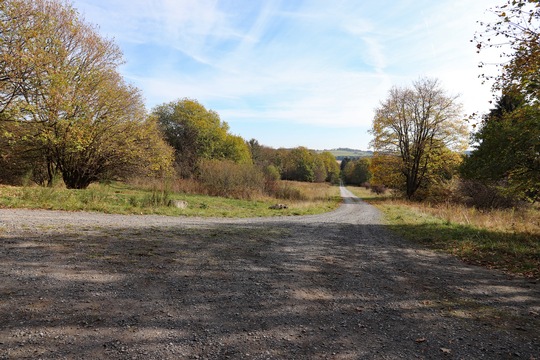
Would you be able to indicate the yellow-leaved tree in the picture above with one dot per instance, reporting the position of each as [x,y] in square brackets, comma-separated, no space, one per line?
[412,124]
[75,115]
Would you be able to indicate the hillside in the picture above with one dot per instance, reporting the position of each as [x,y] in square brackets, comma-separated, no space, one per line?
[342,153]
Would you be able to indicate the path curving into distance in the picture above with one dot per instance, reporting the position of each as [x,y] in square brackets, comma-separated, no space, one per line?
[339,285]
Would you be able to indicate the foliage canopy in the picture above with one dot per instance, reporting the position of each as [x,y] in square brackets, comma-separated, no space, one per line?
[198,134]
[64,108]
[414,123]
[507,154]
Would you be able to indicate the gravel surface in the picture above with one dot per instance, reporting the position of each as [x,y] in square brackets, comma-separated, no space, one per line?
[332,286]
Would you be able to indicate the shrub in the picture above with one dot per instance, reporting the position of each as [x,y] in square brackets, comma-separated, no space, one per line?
[228,179]
[378,189]
[482,196]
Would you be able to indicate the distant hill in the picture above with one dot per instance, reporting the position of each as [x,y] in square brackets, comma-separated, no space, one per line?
[342,153]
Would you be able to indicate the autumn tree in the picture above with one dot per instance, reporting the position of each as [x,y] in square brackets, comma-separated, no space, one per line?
[412,123]
[506,155]
[74,113]
[515,32]
[386,171]
[331,166]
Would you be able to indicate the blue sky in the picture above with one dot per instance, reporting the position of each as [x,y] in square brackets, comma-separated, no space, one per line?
[291,72]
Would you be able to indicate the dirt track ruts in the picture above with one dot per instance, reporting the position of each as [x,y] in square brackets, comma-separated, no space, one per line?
[331,286]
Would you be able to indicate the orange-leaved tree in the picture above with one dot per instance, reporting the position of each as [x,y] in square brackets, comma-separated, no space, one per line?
[412,123]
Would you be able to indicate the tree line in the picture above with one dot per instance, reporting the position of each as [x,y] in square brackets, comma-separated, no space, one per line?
[419,133]
[66,113]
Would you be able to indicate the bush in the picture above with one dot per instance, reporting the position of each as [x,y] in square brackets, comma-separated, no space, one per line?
[378,189]
[228,179]
[482,196]
[438,192]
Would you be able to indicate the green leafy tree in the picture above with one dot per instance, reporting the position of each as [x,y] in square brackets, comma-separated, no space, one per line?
[234,148]
[356,172]
[319,169]
[332,167]
[508,147]
[507,152]
[302,164]
[412,123]
[278,158]
[198,134]
[299,165]
[256,151]
[344,163]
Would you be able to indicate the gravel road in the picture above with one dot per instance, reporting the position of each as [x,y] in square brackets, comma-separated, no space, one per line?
[331,286]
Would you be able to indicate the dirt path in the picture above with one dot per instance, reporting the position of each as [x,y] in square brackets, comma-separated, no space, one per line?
[332,286]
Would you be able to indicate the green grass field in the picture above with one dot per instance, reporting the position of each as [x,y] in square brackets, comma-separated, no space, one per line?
[120,198]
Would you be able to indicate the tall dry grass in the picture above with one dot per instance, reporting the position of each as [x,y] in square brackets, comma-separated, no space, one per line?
[525,220]
[518,220]
[314,191]
[505,239]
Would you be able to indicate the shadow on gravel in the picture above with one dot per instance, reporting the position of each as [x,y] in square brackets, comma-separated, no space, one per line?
[518,251]
[264,291]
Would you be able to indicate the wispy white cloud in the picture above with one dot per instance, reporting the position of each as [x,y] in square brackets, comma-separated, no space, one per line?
[314,63]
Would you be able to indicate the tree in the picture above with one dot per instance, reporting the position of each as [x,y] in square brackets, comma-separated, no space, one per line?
[516,32]
[331,165]
[299,164]
[344,163]
[507,152]
[386,171]
[60,85]
[13,158]
[198,134]
[356,172]
[256,151]
[412,123]
[442,170]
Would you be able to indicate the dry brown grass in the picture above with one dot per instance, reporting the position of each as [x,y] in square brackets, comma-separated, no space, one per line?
[504,239]
[508,221]
[524,220]
[314,191]
[185,186]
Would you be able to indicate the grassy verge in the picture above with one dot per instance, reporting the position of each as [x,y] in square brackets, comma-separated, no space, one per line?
[502,239]
[120,198]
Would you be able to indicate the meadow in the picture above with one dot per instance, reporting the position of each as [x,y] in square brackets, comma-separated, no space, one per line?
[159,198]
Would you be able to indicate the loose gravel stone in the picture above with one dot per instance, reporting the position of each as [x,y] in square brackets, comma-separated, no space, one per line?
[330,286]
